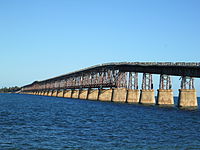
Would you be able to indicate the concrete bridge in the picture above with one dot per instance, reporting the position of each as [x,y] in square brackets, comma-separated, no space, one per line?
[118,82]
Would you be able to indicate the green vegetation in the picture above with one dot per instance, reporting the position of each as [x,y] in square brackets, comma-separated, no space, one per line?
[10,89]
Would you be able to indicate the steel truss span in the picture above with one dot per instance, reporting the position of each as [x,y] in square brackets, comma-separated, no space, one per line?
[120,75]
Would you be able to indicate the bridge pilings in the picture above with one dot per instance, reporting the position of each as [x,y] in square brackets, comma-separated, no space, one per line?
[45,93]
[126,90]
[93,94]
[147,97]
[133,95]
[119,95]
[83,93]
[60,93]
[54,93]
[50,93]
[38,92]
[147,92]
[105,94]
[165,93]
[165,97]
[187,98]
[75,94]
[68,93]
[187,93]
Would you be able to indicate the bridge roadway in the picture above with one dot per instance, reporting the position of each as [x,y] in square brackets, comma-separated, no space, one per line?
[119,82]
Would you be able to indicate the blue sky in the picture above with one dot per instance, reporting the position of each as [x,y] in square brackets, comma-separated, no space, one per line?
[40,39]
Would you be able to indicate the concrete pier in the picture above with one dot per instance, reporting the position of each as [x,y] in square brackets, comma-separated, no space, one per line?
[60,93]
[68,94]
[93,94]
[187,98]
[133,96]
[147,97]
[75,94]
[165,97]
[105,94]
[54,93]
[45,93]
[50,93]
[83,94]
[119,95]
[42,93]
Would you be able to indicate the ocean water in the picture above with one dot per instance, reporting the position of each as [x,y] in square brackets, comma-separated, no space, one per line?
[30,122]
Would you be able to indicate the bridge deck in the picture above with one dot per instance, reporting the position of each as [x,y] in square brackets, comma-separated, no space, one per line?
[170,68]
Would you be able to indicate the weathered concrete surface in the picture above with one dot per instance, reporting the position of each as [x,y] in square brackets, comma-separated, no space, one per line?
[60,94]
[54,93]
[105,94]
[83,94]
[147,97]
[68,93]
[50,93]
[75,93]
[46,93]
[93,94]
[119,95]
[187,98]
[133,96]
[165,97]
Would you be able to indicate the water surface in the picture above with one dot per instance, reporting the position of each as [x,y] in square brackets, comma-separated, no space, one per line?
[29,122]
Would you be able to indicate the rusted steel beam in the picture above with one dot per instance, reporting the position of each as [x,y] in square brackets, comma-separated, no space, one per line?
[120,75]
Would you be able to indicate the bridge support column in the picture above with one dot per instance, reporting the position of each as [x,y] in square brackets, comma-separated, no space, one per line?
[187,93]
[60,93]
[165,93]
[147,92]
[165,97]
[68,93]
[50,93]
[45,93]
[93,94]
[75,94]
[133,94]
[83,94]
[54,93]
[119,95]
[105,94]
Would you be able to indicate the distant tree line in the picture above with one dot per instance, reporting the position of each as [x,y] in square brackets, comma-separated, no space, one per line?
[10,89]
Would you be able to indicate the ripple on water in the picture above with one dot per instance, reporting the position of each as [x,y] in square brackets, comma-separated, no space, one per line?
[49,123]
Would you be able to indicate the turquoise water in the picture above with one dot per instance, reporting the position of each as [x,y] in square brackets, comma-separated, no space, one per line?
[29,122]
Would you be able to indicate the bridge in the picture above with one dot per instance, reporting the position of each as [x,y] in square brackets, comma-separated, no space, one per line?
[118,82]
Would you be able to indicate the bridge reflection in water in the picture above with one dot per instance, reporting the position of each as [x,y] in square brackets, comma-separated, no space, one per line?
[118,82]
